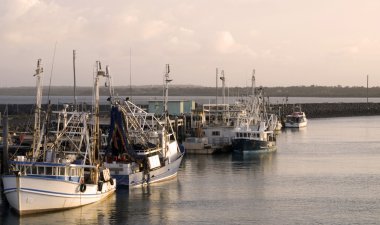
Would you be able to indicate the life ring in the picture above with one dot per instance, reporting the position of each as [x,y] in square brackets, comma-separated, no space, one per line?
[111,181]
[82,188]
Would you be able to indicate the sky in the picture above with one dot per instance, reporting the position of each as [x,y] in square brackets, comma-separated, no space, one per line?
[286,42]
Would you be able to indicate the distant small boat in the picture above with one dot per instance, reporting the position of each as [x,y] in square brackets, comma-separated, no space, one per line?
[297,119]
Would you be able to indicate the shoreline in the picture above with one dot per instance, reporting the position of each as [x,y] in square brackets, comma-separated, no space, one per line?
[21,115]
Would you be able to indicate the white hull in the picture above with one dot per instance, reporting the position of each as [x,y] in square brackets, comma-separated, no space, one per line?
[28,194]
[202,151]
[295,125]
[296,120]
[125,177]
[195,145]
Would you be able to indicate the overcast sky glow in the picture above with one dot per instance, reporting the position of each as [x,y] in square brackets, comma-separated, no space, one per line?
[287,42]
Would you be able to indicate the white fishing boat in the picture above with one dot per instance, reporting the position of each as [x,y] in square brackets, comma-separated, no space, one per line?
[297,119]
[254,139]
[198,145]
[210,130]
[62,170]
[142,149]
[254,130]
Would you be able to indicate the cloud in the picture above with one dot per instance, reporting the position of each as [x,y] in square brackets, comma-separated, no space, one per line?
[153,29]
[186,31]
[16,8]
[226,44]
[363,46]
[130,19]
[254,33]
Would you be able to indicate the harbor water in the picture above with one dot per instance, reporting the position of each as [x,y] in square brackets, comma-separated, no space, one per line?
[327,173]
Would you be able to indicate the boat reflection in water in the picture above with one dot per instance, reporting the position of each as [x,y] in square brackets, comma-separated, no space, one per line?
[259,162]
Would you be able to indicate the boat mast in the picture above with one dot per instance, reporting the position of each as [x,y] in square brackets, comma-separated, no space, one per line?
[216,91]
[96,134]
[253,83]
[109,82]
[37,111]
[224,95]
[75,83]
[167,81]
[223,86]
[130,73]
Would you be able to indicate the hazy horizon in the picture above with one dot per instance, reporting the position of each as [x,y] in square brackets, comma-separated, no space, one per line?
[192,85]
[287,42]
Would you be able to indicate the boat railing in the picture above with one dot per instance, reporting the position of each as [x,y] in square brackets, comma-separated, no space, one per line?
[147,151]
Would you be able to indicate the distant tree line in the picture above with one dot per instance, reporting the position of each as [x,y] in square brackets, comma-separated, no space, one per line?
[185,90]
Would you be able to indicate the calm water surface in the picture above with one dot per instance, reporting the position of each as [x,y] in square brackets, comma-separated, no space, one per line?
[328,173]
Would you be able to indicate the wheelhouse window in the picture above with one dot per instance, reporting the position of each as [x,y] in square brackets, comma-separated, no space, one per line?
[61,171]
[49,171]
[216,133]
[40,170]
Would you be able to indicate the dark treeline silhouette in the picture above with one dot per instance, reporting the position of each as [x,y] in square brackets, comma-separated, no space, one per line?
[187,90]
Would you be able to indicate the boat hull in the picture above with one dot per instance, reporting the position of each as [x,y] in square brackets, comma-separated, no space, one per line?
[201,151]
[27,194]
[126,177]
[295,125]
[249,145]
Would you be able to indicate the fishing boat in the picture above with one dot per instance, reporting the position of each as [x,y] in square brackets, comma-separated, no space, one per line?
[142,149]
[209,133]
[211,127]
[252,139]
[297,119]
[62,170]
[254,130]
[199,145]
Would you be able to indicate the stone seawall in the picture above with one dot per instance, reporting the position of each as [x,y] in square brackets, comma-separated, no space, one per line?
[324,110]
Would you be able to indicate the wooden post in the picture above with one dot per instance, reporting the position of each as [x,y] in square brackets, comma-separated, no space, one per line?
[367,93]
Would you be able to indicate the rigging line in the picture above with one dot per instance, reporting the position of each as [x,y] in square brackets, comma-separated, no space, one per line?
[51,71]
